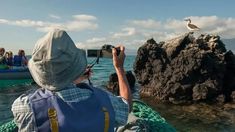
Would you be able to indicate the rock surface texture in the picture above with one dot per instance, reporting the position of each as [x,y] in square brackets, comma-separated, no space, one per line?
[186,69]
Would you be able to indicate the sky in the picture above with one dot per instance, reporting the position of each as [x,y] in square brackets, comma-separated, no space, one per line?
[93,23]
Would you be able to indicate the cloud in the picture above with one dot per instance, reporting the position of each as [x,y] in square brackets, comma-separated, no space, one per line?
[175,25]
[160,36]
[126,32]
[54,16]
[86,45]
[149,23]
[3,21]
[133,44]
[29,23]
[84,17]
[78,23]
[96,40]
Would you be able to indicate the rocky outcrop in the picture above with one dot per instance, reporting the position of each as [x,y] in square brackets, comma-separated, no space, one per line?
[113,86]
[186,69]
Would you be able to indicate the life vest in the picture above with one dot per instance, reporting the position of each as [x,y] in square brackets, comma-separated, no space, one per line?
[9,61]
[52,114]
[17,60]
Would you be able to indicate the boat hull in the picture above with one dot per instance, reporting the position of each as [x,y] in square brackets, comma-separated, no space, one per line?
[15,74]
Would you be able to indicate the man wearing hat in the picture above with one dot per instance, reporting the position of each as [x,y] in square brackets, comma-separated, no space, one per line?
[63,103]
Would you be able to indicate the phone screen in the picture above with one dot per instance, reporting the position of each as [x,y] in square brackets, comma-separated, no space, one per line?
[93,53]
[100,53]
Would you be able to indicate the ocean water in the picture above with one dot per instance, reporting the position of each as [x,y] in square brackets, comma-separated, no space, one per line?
[99,77]
[105,67]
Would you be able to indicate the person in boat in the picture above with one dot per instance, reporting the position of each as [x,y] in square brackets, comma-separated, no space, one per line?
[20,60]
[3,64]
[9,58]
[65,103]
[6,55]
[24,58]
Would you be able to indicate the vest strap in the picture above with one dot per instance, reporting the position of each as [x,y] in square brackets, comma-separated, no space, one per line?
[53,120]
[106,119]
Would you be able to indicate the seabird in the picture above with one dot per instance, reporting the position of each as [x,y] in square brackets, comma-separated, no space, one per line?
[190,26]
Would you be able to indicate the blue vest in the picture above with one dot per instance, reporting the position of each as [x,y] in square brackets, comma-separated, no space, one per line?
[86,115]
[9,61]
[17,60]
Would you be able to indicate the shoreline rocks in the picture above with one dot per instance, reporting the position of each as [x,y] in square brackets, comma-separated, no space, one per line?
[186,70]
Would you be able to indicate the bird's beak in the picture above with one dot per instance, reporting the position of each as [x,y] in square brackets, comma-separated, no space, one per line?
[185,19]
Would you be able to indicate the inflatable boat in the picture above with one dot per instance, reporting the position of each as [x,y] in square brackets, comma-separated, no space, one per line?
[14,77]
[15,74]
[148,121]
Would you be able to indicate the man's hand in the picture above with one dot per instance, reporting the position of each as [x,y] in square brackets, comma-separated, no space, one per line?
[118,61]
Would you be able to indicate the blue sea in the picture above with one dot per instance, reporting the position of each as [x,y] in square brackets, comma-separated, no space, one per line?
[100,76]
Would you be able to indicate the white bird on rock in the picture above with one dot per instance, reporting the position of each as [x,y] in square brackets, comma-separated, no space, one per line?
[190,26]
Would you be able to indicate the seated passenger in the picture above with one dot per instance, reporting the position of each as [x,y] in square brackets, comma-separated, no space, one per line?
[3,64]
[24,58]
[20,59]
[9,58]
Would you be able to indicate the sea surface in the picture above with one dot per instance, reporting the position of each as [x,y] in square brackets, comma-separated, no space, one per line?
[193,118]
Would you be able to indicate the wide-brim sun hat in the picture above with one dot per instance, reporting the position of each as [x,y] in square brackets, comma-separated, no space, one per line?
[56,61]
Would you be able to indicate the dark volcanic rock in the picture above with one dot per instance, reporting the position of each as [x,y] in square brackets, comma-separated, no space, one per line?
[233,96]
[113,82]
[186,69]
